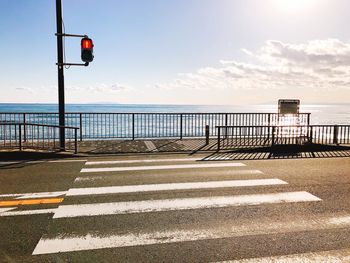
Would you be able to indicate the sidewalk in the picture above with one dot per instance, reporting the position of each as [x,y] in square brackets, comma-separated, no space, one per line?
[146,146]
[199,146]
[188,146]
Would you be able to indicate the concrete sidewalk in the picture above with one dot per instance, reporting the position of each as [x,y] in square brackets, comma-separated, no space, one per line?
[146,146]
[199,146]
[90,148]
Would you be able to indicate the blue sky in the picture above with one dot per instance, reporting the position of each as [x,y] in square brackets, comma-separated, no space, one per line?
[179,51]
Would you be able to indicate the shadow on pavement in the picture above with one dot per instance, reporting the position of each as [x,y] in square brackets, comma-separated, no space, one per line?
[146,146]
[17,159]
[282,152]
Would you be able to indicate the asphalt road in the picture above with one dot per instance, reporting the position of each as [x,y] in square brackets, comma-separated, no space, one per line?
[175,208]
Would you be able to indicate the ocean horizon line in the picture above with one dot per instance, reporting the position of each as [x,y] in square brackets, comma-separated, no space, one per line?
[171,104]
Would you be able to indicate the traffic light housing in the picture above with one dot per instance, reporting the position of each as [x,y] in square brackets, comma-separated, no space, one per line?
[87,50]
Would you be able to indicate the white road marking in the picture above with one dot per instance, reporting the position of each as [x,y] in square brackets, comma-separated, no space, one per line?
[2,210]
[89,178]
[144,161]
[345,220]
[68,243]
[180,204]
[334,256]
[104,177]
[39,195]
[161,167]
[67,161]
[171,186]
[5,163]
[29,212]
[150,146]
[34,195]
[46,161]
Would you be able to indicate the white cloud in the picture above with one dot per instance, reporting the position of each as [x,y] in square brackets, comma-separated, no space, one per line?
[277,65]
[26,89]
[101,88]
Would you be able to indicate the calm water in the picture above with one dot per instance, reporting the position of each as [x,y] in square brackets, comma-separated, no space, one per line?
[320,114]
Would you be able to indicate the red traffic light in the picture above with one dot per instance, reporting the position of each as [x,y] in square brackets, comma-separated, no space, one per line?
[86,43]
[87,50]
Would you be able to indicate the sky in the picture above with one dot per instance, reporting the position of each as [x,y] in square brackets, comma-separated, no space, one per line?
[219,52]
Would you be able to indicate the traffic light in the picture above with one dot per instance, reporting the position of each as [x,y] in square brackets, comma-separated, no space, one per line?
[87,49]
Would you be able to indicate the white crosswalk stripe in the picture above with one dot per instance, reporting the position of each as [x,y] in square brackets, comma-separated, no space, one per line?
[3,210]
[119,208]
[90,241]
[95,178]
[27,212]
[160,167]
[172,186]
[34,195]
[143,161]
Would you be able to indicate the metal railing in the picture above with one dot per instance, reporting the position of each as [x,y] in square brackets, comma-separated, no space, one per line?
[154,125]
[330,134]
[229,137]
[14,135]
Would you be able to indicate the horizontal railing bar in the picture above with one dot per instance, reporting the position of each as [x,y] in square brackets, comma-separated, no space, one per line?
[163,113]
[36,124]
[263,126]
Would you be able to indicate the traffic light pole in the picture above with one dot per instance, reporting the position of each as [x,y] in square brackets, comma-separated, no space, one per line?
[60,67]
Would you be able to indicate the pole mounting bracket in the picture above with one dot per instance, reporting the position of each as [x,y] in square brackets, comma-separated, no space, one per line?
[73,64]
[69,35]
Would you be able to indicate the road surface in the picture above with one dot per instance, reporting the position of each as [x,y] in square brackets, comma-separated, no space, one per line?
[175,208]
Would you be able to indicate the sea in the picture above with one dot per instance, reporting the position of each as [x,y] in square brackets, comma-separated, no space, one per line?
[320,113]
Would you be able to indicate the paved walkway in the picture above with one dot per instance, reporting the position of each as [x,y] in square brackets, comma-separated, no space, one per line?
[199,145]
[147,146]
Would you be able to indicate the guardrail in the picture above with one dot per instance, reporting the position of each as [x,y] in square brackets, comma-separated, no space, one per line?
[154,125]
[229,137]
[330,134]
[36,136]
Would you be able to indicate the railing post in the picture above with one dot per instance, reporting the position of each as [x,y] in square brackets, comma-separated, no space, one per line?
[133,126]
[273,135]
[311,132]
[308,119]
[24,128]
[226,122]
[75,141]
[207,134]
[335,135]
[20,137]
[181,126]
[218,138]
[81,126]
[268,124]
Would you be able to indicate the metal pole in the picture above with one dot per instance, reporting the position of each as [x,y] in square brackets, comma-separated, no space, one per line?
[75,141]
[180,126]
[24,127]
[310,134]
[133,126]
[207,134]
[61,105]
[226,122]
[335,134]
[81,126]
[218,139]
[20,137]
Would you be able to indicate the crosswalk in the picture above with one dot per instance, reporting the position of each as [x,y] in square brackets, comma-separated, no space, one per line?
[116,204]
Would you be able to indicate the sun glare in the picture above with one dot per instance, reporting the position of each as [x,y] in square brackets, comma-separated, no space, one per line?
[290,5]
